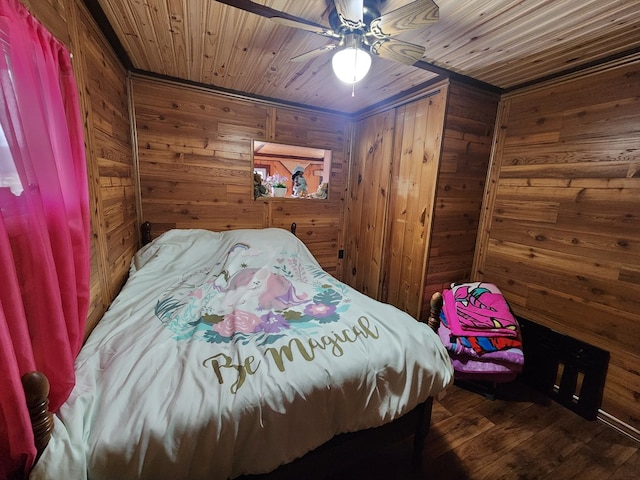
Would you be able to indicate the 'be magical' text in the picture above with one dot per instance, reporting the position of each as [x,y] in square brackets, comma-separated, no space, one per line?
[223,365]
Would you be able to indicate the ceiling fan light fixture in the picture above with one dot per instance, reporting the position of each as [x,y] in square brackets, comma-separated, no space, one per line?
[351,64]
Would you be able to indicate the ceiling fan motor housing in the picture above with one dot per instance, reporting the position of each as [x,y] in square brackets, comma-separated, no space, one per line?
[345,26]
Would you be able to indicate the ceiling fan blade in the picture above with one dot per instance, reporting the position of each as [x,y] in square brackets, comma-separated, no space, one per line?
[397,50]
[309,27]
[351,12]
[280,17]
[313,53]
[414,15]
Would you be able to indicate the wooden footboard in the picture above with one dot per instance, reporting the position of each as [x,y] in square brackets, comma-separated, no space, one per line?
[36,389]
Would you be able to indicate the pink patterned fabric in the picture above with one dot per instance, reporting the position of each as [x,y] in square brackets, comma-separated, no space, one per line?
[478,309]
[44,225]
[480,333]
[498,366]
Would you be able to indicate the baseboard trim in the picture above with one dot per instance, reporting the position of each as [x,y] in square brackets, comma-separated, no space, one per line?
[619,425]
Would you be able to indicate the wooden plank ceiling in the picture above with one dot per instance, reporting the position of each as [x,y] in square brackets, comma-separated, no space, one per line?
[503,43]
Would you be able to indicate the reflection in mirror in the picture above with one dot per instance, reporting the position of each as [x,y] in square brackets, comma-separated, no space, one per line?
[292,171]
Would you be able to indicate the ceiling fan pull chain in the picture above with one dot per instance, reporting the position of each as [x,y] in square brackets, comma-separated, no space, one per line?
[355,67]
[355,79]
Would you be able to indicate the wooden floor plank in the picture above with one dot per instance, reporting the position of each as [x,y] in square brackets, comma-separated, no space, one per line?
[544,452]
[598,458]
[520,435]
[629,470]
[452,432]
[483,453]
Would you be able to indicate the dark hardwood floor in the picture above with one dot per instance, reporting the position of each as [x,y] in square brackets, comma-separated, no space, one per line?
[519,435]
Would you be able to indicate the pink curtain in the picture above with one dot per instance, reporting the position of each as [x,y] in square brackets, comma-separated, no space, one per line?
[44,225]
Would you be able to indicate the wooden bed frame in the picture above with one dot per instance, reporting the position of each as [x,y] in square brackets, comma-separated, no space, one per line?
[331,457]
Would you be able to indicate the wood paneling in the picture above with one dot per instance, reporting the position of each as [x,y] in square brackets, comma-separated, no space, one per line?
[560,230]
[466,150]
[414,177]
[112,173]
[55,15]
[500,42]
[210,43]
[194,154]
[317,226]
[368,198]
[103,94]
[415,193]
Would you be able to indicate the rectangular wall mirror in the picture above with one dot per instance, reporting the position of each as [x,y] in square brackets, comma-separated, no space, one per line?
[290,171]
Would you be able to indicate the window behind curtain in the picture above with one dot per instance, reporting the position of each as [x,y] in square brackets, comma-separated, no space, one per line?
[44,225]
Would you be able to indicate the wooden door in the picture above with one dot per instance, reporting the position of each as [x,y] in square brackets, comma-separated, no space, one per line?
[367,202]
[416,157]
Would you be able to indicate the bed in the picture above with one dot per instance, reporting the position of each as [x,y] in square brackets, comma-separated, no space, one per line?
[231,354]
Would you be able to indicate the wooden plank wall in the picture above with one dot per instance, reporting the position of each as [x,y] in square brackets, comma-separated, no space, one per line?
[194,154]
[414,177]
[560,231]
[466,150]
[367,202]
[102,85]
[428,155]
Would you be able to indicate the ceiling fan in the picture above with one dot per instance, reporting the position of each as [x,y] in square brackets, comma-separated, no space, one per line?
[359,29]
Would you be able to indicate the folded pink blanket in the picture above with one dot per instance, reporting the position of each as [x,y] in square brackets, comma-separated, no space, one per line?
[505,350]
[478,309]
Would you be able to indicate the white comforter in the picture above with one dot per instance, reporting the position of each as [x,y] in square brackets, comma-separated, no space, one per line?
[232,353]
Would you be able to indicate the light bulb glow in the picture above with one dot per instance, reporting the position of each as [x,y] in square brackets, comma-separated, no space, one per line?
[351,64]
